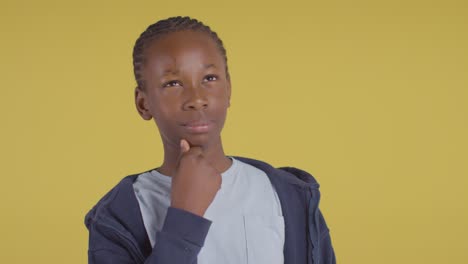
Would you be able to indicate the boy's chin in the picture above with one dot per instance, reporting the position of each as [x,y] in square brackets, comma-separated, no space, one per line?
[202,140]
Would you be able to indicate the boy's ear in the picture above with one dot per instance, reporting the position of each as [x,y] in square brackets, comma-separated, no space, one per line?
[141,104]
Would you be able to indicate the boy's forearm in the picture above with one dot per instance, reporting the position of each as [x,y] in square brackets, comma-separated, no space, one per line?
[179,242]
[181,238]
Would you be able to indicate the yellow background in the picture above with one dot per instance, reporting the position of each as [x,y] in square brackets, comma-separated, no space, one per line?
[368,96]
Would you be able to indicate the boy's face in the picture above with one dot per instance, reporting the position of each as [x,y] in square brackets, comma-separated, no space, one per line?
[186,90]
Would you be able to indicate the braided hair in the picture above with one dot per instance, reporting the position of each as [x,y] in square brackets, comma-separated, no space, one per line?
[164,27]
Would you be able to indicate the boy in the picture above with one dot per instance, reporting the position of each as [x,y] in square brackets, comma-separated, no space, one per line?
[201,206]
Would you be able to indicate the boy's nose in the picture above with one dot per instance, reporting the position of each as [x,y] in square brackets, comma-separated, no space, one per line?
[196,99]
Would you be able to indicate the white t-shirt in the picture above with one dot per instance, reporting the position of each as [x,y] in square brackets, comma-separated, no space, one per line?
[247,222]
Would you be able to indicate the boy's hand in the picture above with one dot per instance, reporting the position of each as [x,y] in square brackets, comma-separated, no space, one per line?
[195,182]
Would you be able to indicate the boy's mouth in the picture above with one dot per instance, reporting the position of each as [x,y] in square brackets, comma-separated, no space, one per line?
[198,126]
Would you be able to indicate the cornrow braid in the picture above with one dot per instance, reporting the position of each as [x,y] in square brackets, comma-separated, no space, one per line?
[163,27]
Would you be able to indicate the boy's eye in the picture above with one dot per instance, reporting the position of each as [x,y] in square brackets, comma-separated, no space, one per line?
[172,83]
[211,78]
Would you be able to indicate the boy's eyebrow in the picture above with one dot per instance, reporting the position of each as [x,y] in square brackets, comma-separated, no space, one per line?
[175,72]
[211,65]
[170,72]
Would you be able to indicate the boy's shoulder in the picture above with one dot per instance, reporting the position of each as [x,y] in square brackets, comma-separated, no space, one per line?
[286,174]
[119,198]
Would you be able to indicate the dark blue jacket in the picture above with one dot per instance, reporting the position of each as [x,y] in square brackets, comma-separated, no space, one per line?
[117,234]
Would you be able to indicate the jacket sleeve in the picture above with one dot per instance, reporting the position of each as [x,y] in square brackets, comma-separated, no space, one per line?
[179,242]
